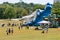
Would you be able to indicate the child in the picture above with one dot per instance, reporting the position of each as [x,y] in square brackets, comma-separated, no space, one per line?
[7,31]
[12,30]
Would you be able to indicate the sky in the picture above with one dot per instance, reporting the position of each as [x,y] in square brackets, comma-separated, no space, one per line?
[29,1]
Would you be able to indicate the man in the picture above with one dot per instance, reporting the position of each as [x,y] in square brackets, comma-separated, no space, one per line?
[46,27]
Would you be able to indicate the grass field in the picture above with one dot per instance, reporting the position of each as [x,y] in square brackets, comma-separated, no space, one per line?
[28,34]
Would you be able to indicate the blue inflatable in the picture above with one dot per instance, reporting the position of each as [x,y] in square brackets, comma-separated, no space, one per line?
[40,15]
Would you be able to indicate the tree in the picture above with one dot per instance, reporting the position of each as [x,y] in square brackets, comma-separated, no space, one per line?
[10,12]
[2,9]
[37,6]
[1,13]
[24,12]
[56,8]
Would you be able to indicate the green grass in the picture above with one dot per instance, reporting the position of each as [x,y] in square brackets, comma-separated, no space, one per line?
[25,34]
[28,34]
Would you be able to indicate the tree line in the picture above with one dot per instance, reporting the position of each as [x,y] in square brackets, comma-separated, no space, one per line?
[17,10]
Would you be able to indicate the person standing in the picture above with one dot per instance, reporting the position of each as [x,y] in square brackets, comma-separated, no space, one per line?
[12,30]
[47,26]
[7,32]
[19,27]
[43,26]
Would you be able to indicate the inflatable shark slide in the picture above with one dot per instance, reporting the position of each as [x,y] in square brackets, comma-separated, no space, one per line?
[37,16]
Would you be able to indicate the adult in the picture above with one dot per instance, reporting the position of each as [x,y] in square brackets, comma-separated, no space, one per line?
[9,30]
[45,28]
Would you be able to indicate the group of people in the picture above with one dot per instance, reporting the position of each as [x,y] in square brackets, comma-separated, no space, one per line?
[9,31]
[9,24]
[13,24]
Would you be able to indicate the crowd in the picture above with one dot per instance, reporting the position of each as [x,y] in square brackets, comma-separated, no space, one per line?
[11,30]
